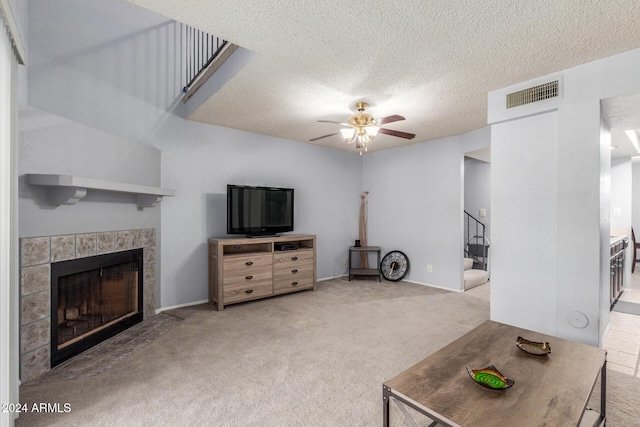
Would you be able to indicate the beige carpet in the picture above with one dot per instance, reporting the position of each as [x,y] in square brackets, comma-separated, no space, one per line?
[306,359]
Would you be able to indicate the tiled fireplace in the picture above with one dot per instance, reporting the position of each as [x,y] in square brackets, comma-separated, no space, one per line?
[82,315]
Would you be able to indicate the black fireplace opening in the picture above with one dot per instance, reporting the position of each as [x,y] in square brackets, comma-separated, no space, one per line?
[93,299]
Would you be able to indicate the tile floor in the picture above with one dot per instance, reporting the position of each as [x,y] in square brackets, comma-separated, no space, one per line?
[623,339]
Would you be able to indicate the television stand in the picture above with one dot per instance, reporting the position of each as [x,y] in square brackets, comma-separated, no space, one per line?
[248,268]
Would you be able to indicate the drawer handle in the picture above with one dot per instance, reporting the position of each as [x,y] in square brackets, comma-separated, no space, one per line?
[249,277]
[248,291]
[294,258]
[294,283]
[248,263]
[295,270]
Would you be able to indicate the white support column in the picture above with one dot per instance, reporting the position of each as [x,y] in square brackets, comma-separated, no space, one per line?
[11,52]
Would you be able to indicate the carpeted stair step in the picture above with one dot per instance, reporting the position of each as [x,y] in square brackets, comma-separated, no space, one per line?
[473,278]
[468,264]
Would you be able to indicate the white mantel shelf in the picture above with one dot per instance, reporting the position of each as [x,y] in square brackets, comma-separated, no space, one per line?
[69,189]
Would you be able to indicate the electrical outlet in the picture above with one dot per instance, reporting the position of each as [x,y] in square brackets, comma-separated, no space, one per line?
[346,262]
[429,268]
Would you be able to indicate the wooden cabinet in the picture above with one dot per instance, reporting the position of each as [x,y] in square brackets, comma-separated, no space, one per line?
[244,269]
[618,246]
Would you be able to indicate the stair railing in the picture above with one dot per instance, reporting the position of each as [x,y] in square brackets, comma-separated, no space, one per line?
[201,49]
[479,252]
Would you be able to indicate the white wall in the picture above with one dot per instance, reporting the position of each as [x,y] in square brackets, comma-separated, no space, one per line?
[582,217]
[621,195]
[416,204]
[635,189]
[9,253]
[621,207]
[524,205]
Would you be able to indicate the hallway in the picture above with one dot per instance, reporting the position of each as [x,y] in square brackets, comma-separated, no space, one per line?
[623,340]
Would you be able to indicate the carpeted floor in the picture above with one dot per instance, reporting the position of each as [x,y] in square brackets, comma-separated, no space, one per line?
[305,359]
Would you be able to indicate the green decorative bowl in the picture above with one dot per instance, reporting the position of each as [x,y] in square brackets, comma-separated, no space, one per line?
[490,377]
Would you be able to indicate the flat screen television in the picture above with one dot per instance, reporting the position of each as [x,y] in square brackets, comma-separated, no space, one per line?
[259,211]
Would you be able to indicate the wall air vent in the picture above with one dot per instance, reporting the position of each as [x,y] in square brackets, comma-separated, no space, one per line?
[533,94]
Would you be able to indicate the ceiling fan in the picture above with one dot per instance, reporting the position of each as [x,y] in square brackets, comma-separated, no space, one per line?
[362,128]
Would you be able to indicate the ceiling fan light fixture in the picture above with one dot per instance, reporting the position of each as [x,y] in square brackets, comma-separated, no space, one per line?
[363,128]
[371,130]
[348,134]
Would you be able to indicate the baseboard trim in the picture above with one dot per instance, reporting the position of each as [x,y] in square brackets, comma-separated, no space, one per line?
[188,304]
[324,279]
[160,310]
[606,334]
[434,286]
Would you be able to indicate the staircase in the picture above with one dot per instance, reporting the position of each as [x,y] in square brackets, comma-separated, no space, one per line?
[203,55]
[476,253]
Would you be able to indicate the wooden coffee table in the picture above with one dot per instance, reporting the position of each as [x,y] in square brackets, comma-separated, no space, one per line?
[550,390]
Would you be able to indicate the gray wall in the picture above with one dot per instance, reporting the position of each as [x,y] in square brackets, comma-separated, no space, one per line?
[107,64]
[53,144]
[87,97]
[416,204]
[104,86]
[199,160]
[104,77]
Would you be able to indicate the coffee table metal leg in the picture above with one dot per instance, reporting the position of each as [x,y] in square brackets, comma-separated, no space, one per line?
[406,414]
[603,393]
[386,395]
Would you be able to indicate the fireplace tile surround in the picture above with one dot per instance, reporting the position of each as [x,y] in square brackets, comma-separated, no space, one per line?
[36,256]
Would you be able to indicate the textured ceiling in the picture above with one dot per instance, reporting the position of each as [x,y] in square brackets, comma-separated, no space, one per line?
[622,113]
[431,61]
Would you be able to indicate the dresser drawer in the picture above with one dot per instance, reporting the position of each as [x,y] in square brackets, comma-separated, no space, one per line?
[245,262]
[240,269]
[293,257]
[293,282]
[288,269]
[247,291]
[249,276]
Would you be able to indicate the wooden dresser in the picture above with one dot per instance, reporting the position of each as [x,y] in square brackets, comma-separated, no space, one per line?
[244,269]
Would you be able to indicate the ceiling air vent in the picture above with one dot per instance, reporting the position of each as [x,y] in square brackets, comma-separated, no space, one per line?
[533,94]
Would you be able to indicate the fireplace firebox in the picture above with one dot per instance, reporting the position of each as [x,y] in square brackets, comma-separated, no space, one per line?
[93,299]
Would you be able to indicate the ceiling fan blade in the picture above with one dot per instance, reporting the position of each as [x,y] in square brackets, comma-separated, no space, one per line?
[390,119]
[333,121]
[397,133]
[323,136]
